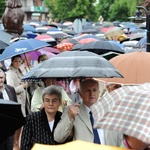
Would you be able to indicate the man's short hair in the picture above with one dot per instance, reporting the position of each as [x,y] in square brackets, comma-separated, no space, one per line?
[86,80]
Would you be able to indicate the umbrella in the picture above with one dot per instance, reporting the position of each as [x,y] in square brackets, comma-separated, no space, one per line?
[64,46]
[141,43]
[83,36]
[69,40]
[77,47]
[133,66]
[125,110]
[113,32]
[45,37]
[4,39]
[22,46]
[35,54]
[137,36]
[28,27]
[74,145]
[71,64]
[41,29]
[56,35]
[11,118]
[49,49]
[101,47]
[87,40]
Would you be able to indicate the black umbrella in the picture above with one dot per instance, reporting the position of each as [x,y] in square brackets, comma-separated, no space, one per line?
[101,47]
[71,64]
[11,118]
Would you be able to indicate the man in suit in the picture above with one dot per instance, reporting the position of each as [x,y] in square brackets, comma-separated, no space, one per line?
[75,121]
[7,92]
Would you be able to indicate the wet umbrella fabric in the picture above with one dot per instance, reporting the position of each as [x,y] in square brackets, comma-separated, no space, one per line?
[101,47]
[11,118]
[125,110]
[22,46]
[133,66]
[71,64]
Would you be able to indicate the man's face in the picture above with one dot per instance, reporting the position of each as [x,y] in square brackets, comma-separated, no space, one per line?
[2,79]
[90,93]
[51,103]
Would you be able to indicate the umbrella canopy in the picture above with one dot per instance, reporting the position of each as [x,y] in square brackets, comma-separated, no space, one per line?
[87,40]
[22,46]
[141,43]
[35,54]
[69,40]
[49,49]
[28,27]
[4,39]
[113,32]
[137,36]
[74,145]
[71,64]
[64,46]
[57,34]
[101,47]
[133,66]
[125,110]
[45,37]
[11,118]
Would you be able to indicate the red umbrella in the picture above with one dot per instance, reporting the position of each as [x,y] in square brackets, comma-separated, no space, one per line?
[105,29]
[64,46]
[44,37]
[87,40]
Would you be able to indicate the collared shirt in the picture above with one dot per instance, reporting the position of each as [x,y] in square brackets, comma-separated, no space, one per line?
[100,131]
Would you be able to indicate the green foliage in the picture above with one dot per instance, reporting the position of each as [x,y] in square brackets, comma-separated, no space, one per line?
[2,8]
[120,10]
[111,10]
[72,9]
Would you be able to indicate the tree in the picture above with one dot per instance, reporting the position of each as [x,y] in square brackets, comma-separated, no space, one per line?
[103,7]
[120,10]
[2,8]
[72,9]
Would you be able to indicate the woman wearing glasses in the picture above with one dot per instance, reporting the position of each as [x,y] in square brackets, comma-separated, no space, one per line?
[39,127]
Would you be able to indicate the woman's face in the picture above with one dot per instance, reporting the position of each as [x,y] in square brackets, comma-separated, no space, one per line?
[17,62]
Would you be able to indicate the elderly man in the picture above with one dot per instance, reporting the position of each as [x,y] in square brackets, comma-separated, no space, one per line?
[7,92]
[77,122]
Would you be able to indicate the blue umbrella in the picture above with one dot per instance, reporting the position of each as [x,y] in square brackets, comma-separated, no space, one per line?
[28,27]
[119,44]
[141,43]
[22,46]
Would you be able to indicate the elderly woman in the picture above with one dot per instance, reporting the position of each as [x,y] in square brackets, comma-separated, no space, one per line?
[39,127]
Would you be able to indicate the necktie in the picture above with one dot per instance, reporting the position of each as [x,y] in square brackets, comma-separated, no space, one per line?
[96,137]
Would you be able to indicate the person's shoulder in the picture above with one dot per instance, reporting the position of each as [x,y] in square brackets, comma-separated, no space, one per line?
[8,86]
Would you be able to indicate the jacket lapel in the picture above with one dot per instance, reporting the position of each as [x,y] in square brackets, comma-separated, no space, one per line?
[84,117]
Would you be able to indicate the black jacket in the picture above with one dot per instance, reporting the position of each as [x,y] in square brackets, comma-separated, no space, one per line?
[37,130]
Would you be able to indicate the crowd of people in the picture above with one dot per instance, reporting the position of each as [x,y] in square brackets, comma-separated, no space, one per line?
[54,116]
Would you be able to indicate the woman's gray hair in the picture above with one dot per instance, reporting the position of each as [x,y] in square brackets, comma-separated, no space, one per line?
[52,89]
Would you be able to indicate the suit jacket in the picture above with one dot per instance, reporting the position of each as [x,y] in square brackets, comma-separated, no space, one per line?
[82,129]
[37,130]
[11,92]
[8,142]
